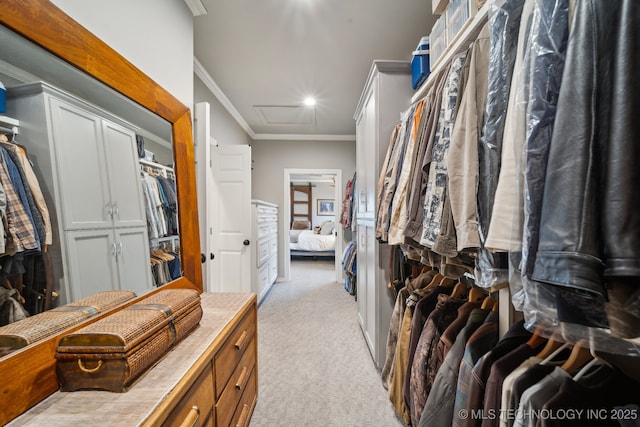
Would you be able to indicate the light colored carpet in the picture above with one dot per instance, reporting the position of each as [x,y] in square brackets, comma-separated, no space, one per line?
[314,368]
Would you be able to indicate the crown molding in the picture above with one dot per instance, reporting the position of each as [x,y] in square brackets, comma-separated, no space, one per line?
[208,81]
[301,137]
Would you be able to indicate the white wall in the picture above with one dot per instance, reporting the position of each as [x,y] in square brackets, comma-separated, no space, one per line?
[154,35]
[322,190]
[270,158]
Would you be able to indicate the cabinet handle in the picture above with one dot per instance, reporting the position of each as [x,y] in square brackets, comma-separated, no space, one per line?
[192,417]
[241,341]
[242,379]
[243,416]
[119,251]
[113,249]
[109,210]
[116,210]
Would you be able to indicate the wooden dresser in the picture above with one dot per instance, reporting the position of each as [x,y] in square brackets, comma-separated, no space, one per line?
[209,379]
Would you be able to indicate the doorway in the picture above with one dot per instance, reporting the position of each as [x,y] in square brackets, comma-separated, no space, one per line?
[334,178]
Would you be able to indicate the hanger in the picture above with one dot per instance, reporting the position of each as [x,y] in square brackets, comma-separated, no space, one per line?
[435,281]
[487,303]
[476,294]
[536,339]
[446,282]
[551,348]
[459,290]
[595,361]
[580,355]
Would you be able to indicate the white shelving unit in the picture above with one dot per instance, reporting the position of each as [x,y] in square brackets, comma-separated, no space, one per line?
[467,34]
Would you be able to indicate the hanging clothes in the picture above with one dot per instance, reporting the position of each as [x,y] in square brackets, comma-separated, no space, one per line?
[587,236]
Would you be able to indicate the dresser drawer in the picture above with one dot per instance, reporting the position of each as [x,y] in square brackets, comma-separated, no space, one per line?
[262,251]
[195,408]
[226,360]
[247,402]
[232,394]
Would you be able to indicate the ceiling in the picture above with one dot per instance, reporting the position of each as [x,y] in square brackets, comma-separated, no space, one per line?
[261,58]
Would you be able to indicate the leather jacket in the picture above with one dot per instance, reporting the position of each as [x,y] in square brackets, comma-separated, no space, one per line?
[590,219]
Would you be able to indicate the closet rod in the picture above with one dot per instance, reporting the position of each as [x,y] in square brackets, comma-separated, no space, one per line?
[155,165]
[13,130]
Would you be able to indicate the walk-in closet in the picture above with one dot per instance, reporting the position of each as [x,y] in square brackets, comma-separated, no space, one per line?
[360,213]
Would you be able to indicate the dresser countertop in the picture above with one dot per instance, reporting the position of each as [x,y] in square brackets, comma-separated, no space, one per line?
[158,383]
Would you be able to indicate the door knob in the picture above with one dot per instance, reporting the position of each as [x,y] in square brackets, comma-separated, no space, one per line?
[246,242]
[203,258]
[211,255]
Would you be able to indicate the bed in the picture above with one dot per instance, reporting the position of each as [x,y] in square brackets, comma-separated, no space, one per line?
[319,242]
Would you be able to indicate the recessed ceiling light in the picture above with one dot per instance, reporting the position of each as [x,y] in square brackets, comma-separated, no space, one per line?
[309,101]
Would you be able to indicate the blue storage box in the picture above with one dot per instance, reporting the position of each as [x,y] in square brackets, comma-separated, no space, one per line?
[420,67]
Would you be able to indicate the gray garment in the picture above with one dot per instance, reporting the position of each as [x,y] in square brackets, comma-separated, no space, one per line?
[434,196]
[534,398]
[549,38]
[438,410]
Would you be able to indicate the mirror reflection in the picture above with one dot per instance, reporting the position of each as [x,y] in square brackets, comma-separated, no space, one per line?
[88,198]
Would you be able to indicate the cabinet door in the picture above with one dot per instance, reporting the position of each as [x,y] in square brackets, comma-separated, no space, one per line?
[367,145]
[81,166]
[132,253]
[123,174]
[361,165]
[373,290]
[91,262]
[362,279]
[371,144]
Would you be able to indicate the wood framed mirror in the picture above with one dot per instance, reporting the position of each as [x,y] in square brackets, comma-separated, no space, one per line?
[29,373]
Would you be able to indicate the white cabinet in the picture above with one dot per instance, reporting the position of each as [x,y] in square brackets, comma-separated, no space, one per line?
[108,259]
[387,92]
[87,166]
[264,268]
[95,178]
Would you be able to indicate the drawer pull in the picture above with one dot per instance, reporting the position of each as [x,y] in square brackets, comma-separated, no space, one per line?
[243,416]
[89,370]
[192,417]
[242,379]
[241,341]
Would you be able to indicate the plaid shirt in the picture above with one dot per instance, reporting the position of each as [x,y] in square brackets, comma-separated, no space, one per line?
[20,231]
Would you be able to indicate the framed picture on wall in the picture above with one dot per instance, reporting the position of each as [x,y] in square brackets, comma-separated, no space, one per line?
[325,207]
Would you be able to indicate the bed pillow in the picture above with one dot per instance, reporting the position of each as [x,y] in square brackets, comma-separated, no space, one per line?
[293,235]
[327,227]
[300,225]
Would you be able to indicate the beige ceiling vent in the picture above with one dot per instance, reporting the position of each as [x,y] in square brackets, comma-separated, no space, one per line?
[286,114]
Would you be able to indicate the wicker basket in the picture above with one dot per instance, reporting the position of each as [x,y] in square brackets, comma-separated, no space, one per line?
[27,331]
[112,352]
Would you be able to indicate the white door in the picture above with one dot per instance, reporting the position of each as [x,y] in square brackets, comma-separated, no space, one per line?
[223,177]
[230,208]
[204,181]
